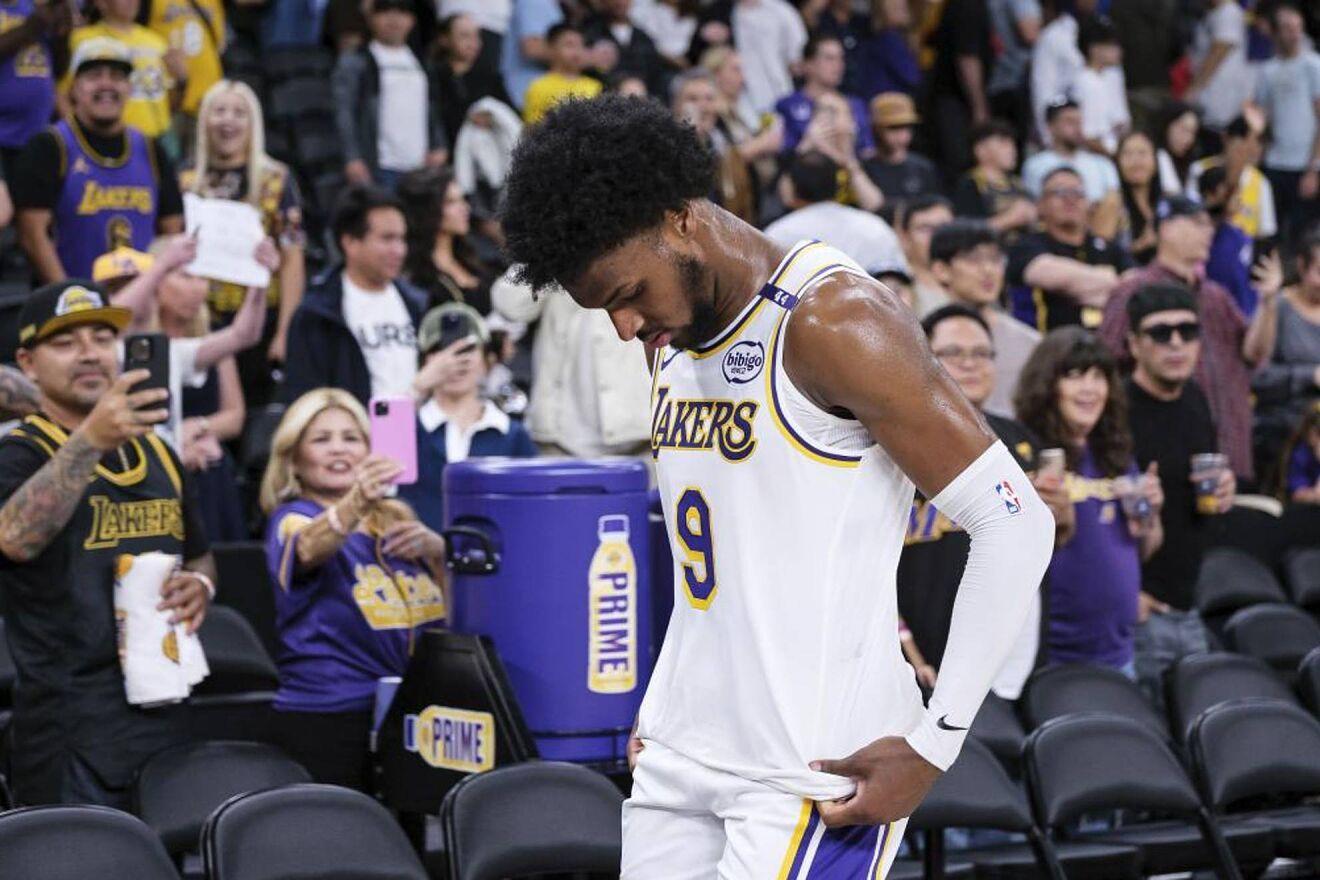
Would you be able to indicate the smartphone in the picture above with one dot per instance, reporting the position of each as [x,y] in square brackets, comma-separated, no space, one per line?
[150,352]
[394,433]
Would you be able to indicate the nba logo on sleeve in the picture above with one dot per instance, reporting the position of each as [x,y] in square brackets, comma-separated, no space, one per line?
[1009,497]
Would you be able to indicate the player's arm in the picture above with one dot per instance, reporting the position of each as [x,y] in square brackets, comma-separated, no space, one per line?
[853,348]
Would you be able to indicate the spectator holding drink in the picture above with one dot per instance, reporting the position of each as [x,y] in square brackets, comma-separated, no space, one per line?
[356,577]
[1172,429]
[1071,395]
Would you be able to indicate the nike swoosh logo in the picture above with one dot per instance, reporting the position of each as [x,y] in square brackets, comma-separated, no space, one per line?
[942,724]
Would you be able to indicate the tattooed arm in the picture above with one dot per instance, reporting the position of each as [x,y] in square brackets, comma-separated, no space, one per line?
[18,396]
[43,506]
[40,508]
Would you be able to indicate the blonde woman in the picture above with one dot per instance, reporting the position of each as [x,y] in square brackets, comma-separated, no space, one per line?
[356,577]
[231,163]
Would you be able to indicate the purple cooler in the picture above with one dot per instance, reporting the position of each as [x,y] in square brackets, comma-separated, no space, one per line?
[568,605]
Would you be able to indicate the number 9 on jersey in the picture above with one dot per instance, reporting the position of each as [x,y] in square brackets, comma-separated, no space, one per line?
[698,545]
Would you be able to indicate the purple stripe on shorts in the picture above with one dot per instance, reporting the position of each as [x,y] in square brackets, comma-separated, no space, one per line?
[805,844]
[845,853]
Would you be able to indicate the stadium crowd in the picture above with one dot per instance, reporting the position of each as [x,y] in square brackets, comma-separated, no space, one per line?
[1105,214]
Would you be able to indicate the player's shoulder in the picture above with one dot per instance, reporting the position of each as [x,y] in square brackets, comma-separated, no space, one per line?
[846,311]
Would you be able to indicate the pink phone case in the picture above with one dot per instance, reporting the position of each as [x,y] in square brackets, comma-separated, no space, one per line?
[394,433]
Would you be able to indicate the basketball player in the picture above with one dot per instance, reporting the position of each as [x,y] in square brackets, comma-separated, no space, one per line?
[794,405]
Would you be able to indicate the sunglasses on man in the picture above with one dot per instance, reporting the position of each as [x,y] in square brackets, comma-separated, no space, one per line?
[1188,331]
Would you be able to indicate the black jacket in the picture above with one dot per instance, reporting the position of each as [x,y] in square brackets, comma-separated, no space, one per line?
[322,351]
[355,84]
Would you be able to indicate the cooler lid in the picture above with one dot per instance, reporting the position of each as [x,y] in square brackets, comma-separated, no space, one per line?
[544,476]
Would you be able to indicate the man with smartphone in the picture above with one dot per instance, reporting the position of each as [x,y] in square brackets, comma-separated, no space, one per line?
[82,481]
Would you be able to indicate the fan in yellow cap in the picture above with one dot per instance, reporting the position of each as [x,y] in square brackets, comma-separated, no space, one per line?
[118,267]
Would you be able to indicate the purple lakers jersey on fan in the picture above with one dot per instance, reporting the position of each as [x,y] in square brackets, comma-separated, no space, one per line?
[346,624]
[106,201]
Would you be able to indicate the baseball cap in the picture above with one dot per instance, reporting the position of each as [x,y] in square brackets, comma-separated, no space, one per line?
[101,50]
[64,304]
[893,110]
[445,324]
[1178,206]
[119,264]
[1057,105]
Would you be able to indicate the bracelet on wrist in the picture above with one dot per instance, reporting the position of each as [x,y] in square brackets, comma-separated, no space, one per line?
[206,582]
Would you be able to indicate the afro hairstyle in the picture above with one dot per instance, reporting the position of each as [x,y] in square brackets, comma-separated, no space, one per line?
[591,175]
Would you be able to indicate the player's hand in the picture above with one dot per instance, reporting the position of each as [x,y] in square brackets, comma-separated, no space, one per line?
[121,414]
[635,746]
[891,781]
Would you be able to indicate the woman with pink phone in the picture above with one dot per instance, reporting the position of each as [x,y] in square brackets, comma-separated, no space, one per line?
[454,421]
[356,577]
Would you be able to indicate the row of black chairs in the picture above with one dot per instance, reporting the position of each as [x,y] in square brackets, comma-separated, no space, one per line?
[270,824]
[1084,764]
[1192,685]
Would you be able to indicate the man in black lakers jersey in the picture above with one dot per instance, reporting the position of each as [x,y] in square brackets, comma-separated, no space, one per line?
[794,405]
[83,480]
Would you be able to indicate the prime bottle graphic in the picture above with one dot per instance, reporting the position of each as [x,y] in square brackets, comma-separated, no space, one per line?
[612,609]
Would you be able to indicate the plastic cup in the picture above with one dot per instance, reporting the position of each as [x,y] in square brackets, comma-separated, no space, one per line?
[1051,462]
[1207,467]
[1128,488]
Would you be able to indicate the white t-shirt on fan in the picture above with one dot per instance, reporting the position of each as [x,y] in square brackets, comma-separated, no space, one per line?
[402,137]
[384,331]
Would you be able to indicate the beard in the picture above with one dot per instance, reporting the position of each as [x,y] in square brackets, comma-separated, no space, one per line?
[705,323]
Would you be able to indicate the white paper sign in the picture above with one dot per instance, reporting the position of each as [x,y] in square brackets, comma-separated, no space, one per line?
[227,233]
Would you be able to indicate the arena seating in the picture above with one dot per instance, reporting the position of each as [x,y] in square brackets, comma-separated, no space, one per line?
[531,818]
[976,793]
[997,725]
[234,701]
[1277,633]
[1301,567]
[179,788]
[1064,690]
[247,587]
[1231,579]
[1236,756]
[1091,763]
[1308,681]
[64,843]
[1201,681]
[308,831]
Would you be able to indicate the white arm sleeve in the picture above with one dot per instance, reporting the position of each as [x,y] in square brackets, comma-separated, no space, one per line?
[1012,537]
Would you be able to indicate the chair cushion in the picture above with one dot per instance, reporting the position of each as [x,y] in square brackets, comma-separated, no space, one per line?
[1169,847]
[912,869]
[1081,861]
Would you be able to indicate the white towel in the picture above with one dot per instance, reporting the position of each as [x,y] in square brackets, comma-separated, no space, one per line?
[161,661]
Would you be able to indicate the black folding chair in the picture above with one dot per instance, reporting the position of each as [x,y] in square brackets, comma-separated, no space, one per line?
[1251,749]
[1056,691]
[1301,569]
[1231,579]
[177,789]
[1199,681]
[320,831]
[1308,681]
[532,818]
[1081,765]
[975,792]
[997,725]
[75,842]
[1279,634]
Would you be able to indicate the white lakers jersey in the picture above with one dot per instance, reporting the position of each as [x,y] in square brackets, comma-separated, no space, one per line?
[786,524]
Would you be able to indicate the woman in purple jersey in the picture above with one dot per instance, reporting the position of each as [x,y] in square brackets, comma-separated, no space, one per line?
[356,577]
[1070,394]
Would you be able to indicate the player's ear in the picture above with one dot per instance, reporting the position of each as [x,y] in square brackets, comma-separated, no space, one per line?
[681,222]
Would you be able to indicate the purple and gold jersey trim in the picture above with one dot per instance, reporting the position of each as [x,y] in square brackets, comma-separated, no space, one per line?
[852,852]
[796,440]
